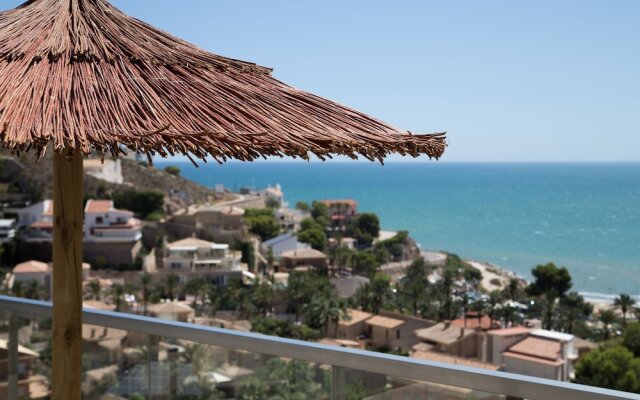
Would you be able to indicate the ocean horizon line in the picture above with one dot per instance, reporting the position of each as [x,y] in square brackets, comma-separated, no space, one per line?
[386,162]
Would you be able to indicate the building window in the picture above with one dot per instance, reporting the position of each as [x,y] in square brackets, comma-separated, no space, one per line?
[397,333]
[99,220]
[176,265]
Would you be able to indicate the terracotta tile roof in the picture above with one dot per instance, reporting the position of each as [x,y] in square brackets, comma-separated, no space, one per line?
[350,202]
[356,316]
[42,225]
[516,330]
[532,358]
[303,253]
[537,347]
[98,206]
[31,267]
[440,333]
[385,322]
[190,242]
[449,359]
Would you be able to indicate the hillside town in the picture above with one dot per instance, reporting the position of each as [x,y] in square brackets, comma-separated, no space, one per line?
[247,260]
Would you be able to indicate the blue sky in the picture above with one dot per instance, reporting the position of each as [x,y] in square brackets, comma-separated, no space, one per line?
[509,81]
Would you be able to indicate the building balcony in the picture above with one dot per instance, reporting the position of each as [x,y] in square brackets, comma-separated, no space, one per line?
[128,355]
[114,234]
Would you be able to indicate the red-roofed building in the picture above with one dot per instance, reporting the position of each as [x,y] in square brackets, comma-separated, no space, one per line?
[105,223]
[545,354]
[499,340]
[341,211]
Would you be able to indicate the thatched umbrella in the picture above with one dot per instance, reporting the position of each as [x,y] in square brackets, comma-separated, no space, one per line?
[81,77]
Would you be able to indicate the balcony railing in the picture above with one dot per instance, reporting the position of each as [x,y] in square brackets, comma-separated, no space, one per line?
[379,376]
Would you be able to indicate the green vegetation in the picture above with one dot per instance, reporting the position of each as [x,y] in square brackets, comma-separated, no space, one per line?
[280,379]
[320,213]
[142,203]
[391,249]
[262,222]
[550,284]
[365,228]
[624,303]
[364,263]
[272,203]
[284,329]
[375,295]
[572,314]
[413,293]
[313,233]
[612,367]
[248,253]
[462,269]
[173,170]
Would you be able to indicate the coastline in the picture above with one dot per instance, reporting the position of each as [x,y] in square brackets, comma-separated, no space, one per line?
[491,271]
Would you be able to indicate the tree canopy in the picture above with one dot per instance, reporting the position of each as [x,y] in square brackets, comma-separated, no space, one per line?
[610,367]
[262,222]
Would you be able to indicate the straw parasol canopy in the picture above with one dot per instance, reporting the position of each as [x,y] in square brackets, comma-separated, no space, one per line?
[82,75]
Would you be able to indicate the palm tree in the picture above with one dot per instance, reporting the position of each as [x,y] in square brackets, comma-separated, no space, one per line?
[508,314]
[262,296]
[324,309]
[213,297]
[607,318]
[464,304]
[171,284]
[145,281]
[197,287]
[512,289]
[94,288]
[117,291]
[494,299]
[624,303]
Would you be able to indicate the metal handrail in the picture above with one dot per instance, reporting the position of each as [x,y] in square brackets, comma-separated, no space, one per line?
[511,385]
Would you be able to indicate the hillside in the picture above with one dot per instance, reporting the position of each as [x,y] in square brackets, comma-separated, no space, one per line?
[24,179]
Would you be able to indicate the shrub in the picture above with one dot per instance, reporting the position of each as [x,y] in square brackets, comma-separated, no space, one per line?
[173,170]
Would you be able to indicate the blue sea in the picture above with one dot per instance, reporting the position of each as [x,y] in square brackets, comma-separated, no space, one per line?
[515,215]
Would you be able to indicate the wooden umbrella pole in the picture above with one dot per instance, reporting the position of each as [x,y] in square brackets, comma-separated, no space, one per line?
[67,276]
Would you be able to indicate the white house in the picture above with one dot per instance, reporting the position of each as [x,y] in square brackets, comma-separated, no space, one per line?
[290,218]
[193,254]
[7,230]
[283,243]
[104,223]
[38,212]
[32,271]
[37,219]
